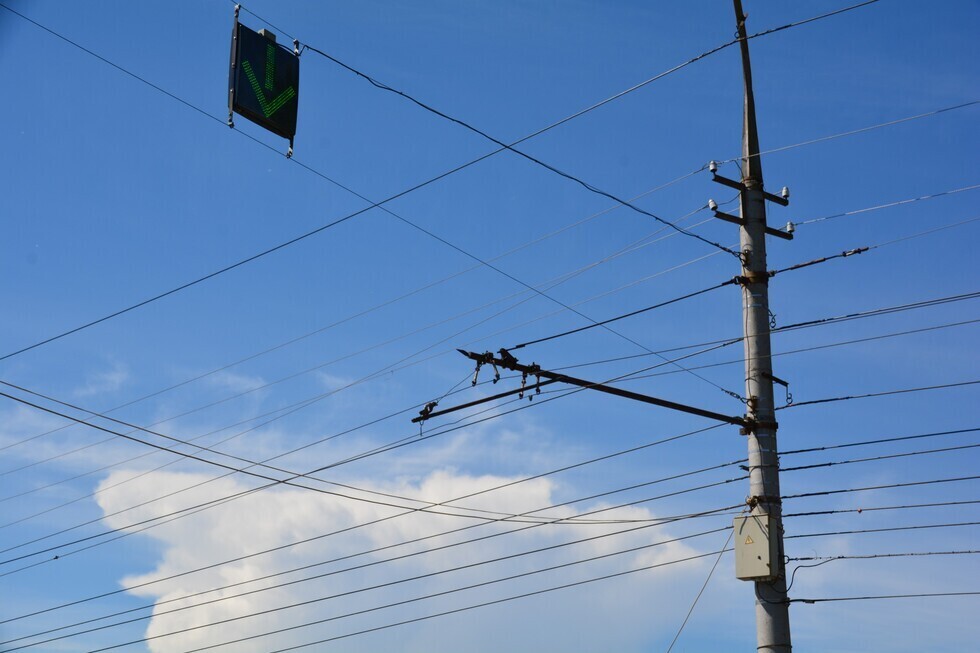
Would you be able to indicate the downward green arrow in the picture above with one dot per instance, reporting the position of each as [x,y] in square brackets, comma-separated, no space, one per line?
[268,107]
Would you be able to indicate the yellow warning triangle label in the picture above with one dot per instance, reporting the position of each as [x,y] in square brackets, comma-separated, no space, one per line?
[749,540]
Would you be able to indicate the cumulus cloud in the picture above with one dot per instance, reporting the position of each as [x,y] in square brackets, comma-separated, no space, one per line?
[278,517]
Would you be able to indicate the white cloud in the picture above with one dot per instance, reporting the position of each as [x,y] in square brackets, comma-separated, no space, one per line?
[276,517]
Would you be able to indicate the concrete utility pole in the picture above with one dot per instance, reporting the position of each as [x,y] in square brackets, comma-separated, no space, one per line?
[772,607]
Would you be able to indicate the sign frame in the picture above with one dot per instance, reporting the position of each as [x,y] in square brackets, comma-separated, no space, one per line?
[269,96]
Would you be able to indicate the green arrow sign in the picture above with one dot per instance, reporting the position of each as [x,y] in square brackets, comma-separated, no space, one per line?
[268,107]
[265,94]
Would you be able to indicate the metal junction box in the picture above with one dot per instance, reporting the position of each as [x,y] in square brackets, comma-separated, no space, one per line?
[756,555]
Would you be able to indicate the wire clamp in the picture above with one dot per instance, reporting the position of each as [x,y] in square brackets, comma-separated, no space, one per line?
[752,426]
[485,359]
[757,500]
[425,412]
[753,277]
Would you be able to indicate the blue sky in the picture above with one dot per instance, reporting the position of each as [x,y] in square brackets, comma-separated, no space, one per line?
[115,192]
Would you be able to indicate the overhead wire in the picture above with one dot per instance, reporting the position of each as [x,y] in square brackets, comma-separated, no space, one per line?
[448,502]
[129,529]
[646,309]
[771,273]
[890,529]
[861,130]
[888,205]
[873,556]
[590,187]
[801,350]
[704,586]
[844,254]
[886,596]
[552,283]
[412,439]
[274,480]
[902,438]
[785,453]
[877,394]
[454,611]
[336,323]
[302,236]
[157,605]
[888,486]
[308,445]
[799,325]
[183,512]
[471,565]
[909,506]
[878,458]
[402,193]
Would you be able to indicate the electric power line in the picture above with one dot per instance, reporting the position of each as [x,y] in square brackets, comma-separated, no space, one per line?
[822,493]
[460,498]
[911,506]
[878,394]
[472,565]
[872,556]
[404,192]
[889,529]
[879,458]
[454,611]
[887,596]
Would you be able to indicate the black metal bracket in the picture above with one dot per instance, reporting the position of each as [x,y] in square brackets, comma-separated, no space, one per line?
[509,362]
